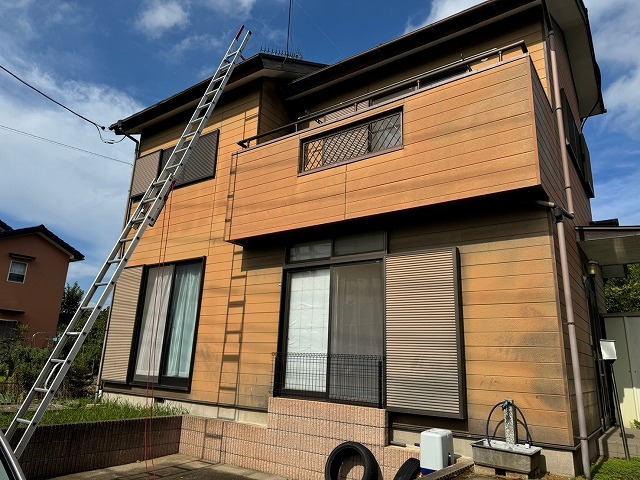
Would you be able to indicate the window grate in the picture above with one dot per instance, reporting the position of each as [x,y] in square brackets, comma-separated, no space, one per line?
[339,378]
[376,136]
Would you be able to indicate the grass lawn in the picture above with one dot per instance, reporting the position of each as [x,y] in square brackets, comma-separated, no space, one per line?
[617,469]
[84,410]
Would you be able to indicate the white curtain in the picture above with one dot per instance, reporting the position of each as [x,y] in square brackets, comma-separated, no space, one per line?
[308,330]
[154,317]
[184,308]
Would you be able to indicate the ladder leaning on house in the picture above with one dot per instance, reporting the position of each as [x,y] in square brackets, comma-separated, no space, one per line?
[145,215]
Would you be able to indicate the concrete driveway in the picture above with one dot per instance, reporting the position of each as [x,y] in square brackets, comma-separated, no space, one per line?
[172,467]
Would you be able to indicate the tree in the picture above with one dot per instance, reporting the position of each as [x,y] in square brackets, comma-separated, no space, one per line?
[71,300]
[623,294]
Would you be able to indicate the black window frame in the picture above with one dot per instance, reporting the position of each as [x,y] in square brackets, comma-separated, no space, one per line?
[372,257]
[576,146]
[163,381]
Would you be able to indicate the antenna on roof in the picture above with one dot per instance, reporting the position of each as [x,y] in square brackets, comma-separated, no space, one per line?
[282,53]
[286,53]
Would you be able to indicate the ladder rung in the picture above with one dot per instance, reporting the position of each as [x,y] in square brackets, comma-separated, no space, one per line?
[57,360]
[40,390]
[114,261]
[125,240]
[101,284]
[137,221]
[88,307]
[72,334]
[23,420]
[149,200]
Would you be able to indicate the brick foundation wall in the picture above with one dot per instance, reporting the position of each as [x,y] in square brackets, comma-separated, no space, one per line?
[56,450]
[297,440]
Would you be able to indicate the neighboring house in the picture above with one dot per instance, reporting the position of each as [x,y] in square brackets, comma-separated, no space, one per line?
[368,233]
[34,264]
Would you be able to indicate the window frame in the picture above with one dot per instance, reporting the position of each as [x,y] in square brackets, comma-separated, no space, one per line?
[328,263]
[365,122]
[163,381]
[24,275]
[576,146]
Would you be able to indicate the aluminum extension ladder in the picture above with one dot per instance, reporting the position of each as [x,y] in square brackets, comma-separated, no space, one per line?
[146,214]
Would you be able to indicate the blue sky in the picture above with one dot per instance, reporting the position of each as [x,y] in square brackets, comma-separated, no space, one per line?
[107,60]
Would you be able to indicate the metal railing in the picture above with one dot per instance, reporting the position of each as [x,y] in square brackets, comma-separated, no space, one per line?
[350,143]
[422,81]
[339,378]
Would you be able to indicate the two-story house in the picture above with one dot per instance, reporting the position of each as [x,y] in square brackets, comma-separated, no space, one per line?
[363,250]
[34,263]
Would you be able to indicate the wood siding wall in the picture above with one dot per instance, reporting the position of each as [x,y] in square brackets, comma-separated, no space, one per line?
[472,136]
[237,330]
[510,314]
[553,183]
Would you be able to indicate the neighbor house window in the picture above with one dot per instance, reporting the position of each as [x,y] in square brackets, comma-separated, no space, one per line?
[333,345]
[168,321]
[17,272]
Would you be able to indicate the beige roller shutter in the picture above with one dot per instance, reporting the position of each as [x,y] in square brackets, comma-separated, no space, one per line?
[201,164]
[123,316]
[144,172]
[424,348]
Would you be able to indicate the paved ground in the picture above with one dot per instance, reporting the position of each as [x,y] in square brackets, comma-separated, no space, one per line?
[173,467]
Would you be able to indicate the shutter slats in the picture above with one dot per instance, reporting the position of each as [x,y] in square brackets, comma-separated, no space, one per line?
[422,334]
[144,172]
[123,315]
[201,163]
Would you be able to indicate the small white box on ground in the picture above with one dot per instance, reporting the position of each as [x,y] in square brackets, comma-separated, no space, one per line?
[436,450]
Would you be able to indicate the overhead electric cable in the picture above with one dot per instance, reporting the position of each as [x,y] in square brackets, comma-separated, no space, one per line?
[318,27]
[98,126]
[20,132]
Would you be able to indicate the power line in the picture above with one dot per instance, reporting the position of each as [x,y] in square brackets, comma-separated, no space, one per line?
[98,126]
[20,132]
[318,27]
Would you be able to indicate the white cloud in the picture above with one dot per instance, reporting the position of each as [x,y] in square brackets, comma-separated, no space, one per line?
[80,197]
[157,17]
[616,31]
[238,8]
[440,9]
[193,42]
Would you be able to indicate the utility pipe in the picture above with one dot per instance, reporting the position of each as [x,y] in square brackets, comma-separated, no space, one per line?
[560,214]
[557,107]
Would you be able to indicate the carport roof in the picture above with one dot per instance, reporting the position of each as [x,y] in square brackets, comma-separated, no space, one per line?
[610,245]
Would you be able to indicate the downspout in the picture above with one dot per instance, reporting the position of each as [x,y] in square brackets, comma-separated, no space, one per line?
[557,102]
[560,213]
[118,131]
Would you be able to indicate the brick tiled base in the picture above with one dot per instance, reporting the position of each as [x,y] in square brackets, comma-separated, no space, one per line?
[298,438]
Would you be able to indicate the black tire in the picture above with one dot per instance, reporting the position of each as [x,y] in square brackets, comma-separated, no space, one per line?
[409,470]
[346,450]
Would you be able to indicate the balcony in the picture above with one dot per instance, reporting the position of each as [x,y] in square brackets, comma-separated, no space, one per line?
[468,135]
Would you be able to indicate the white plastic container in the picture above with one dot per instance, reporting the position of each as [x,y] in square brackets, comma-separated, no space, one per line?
[436,450]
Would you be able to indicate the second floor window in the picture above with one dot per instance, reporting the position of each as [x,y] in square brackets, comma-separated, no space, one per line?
[379,135]
[17,272]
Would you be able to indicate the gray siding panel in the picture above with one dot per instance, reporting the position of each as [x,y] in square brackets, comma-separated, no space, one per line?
[123,316]
[423,334]
[144,172]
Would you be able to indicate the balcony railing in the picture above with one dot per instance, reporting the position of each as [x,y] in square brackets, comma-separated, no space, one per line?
[340,378]
[349,144]
[425,80]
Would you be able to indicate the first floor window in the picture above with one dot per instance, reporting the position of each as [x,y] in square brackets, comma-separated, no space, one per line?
[17,272]
[168,324]
[335,322]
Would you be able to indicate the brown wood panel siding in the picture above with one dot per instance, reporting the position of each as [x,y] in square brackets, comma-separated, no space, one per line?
[514,346]
[144,172]
[423,334]
[121,324]
[467,138]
